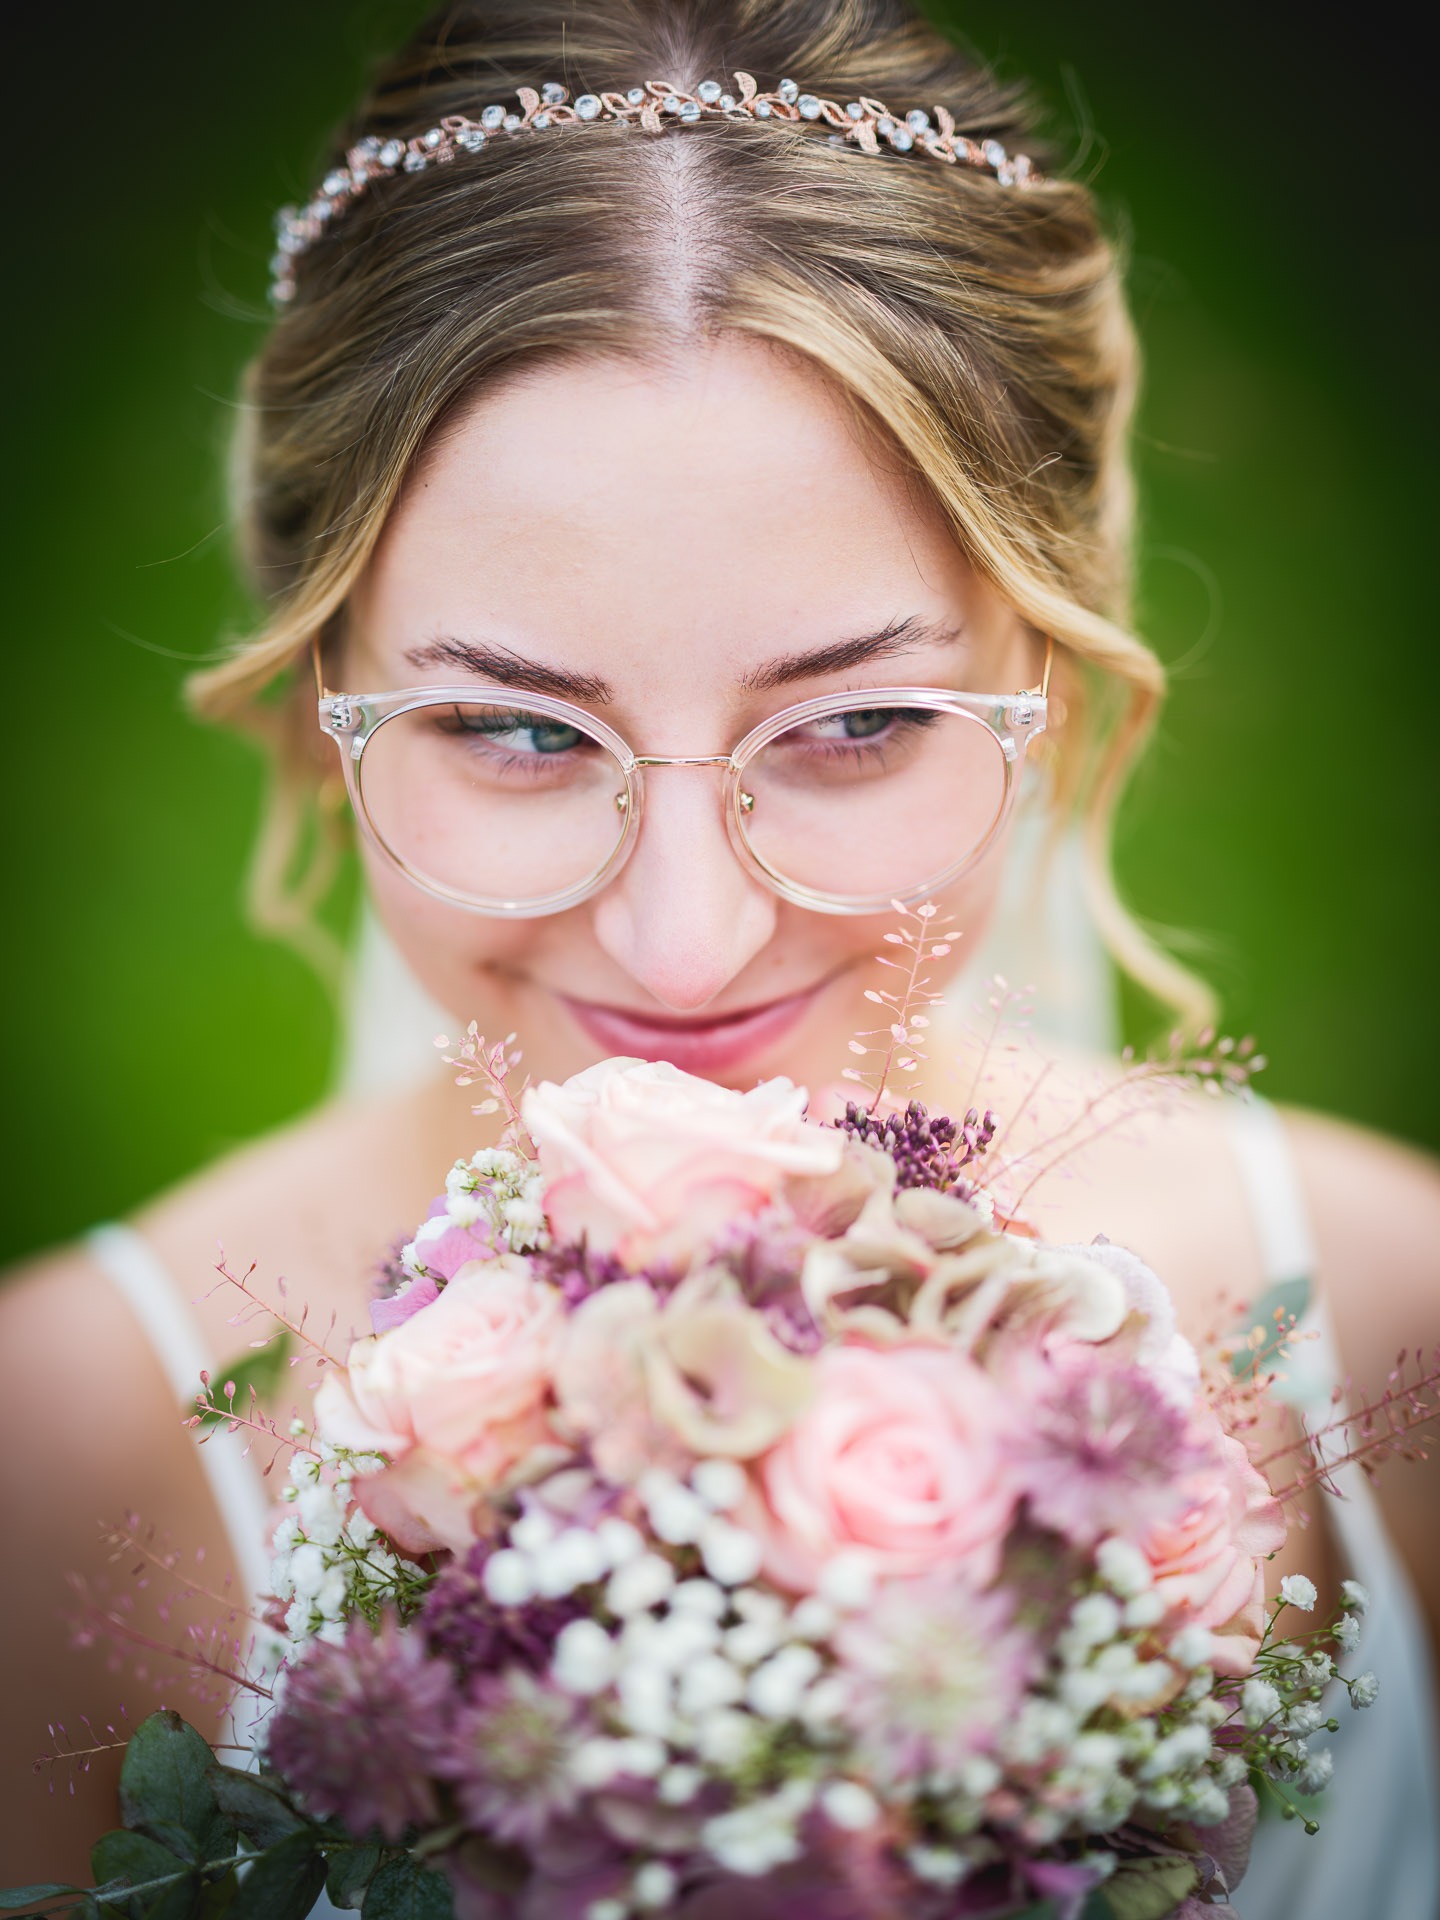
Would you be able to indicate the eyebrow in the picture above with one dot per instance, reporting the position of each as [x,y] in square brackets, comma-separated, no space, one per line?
[896,637]
[501,667]
[506,669]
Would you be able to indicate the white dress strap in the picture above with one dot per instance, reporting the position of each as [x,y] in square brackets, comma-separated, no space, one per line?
[1378,1851]
[168,1322]
[1272,1187]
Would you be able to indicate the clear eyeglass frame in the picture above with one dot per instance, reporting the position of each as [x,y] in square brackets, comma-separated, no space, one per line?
[352,720]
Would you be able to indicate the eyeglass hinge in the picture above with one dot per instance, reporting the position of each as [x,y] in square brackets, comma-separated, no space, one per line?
[343,716]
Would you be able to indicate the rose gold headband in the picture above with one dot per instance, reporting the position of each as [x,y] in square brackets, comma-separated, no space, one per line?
[863,123]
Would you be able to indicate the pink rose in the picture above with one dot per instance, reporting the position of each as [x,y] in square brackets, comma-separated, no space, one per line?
[646,1162]
[455,1397]
[1208,1563]
[899,1455]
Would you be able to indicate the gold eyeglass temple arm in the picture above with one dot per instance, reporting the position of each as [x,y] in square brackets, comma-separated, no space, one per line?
[1043,689]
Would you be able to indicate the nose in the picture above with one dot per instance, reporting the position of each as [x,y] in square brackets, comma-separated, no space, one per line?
[683,917]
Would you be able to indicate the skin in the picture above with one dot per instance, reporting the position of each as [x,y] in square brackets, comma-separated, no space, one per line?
[674,576]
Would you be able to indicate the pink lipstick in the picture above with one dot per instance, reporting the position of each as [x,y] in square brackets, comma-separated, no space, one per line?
[705,1045]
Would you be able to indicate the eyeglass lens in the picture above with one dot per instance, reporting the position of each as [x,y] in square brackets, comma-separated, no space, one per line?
[498,806]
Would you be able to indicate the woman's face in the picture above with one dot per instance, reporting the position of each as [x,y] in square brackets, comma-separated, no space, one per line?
[670,544]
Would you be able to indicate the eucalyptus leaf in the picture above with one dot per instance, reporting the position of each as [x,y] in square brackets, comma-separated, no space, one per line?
[258,1811]
[218,1898]
[281,1883]
[13,1898]
[350,1871]
[1149,1887]
[165,1790]
[135,1858]
[401,1890]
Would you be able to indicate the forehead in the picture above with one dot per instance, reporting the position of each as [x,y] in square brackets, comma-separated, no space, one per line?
[659,521]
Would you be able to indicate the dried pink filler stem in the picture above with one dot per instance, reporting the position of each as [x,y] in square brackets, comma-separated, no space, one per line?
[1381,1429]
[255,1422]
[902,1039]
[297,1328]
[492,1066]
[131,1539]
[1206,1062]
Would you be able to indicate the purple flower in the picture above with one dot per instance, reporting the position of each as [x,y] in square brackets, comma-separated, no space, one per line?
[1102,1450]
[401,1305]
[510,1753]
[935,1670]
[451,1249]
[465,1626]
[928,1149]
[358,1725]
[578,1271]
[766,1253]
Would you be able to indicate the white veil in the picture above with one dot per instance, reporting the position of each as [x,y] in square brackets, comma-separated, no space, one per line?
[1042,937]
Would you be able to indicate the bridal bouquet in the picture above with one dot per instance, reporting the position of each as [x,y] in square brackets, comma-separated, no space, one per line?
[730,1513]
[727,1513]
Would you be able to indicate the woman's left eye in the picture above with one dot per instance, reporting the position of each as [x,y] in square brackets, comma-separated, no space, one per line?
[859,723]
[552,736]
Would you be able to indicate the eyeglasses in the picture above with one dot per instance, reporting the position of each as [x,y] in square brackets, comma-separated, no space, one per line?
[520,805]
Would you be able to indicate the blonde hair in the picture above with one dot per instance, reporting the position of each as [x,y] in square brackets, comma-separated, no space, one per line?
[983,328]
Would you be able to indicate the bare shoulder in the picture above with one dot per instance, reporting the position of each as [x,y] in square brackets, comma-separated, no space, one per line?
[316,1205]
[90,1432]
[1374,1205]
[93,1431]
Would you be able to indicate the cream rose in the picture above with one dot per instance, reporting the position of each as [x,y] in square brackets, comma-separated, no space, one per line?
[898,1455]
[646,1162]
[654,1384]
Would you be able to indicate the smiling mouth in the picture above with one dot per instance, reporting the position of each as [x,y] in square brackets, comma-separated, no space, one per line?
[701,1043]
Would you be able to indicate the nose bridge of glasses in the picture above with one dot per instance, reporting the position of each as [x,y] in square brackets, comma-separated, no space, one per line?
[726,760]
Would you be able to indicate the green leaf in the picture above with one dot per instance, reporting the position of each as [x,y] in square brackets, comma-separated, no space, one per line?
[401,1890]
[260,1813]
[351,1869]
[282,1882]
[165,1790]
[13,1898]
[135,1859]
[262,1368]
[1147,1888]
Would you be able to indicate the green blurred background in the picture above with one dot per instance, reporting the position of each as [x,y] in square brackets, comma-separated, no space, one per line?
[1286,816]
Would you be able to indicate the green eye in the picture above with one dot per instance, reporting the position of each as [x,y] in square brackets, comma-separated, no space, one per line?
[552,736]
[866,722]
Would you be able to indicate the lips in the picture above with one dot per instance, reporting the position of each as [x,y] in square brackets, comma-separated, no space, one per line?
[718,1044]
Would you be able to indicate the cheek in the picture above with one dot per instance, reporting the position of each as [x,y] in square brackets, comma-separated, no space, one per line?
[454,955]
[970,902]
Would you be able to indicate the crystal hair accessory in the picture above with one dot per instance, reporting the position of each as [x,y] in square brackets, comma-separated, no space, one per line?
[864,123]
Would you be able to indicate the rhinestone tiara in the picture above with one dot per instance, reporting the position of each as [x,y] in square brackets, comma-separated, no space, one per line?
[864,123]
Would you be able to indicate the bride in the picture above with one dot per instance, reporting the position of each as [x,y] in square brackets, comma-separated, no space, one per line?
[685,533]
